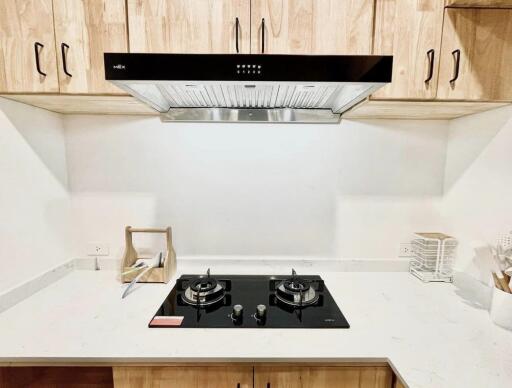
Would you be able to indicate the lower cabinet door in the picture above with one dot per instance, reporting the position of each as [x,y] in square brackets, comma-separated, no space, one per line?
[184,377]
[323,377]
[55,377]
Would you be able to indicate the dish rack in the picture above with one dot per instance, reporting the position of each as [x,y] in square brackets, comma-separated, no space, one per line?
[433,257]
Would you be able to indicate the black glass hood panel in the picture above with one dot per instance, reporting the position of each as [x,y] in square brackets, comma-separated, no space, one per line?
[248,67]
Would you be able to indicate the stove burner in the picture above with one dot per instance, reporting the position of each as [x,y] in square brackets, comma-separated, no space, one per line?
[203,291]
[203,284]
[296,284]
[296,292]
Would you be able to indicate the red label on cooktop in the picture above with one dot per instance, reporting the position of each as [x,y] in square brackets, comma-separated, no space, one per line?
[166,321]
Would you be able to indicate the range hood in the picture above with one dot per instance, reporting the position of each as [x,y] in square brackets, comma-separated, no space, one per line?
[249,87]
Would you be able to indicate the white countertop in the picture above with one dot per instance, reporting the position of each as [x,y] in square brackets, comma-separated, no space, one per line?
[430,333]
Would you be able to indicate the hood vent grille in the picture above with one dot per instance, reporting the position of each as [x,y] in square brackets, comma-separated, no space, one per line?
[248,96]
[167,95]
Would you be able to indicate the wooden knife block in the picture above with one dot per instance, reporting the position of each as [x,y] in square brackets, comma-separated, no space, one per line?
[154,275]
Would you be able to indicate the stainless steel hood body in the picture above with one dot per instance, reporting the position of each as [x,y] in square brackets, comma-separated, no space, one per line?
[248,87]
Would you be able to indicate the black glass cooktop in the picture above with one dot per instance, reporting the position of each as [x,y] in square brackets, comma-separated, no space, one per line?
[249,301]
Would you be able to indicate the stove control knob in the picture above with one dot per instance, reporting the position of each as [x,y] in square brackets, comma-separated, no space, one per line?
[261,311]
[238,311]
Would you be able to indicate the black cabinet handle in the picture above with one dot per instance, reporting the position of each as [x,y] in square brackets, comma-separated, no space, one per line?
[456,63]
[238,385]
[430,55]
[263,35]
[63,48]
[37,46]
[237,27]
[268,385]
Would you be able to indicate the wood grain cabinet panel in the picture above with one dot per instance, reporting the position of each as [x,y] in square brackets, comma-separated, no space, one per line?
[184,377]
[418,110]
[23,23]
[410,30]
[476,55]
[88,28]
[311,26]
[56,377]
[189,26]
[322,377]
[399,384]
[479,3]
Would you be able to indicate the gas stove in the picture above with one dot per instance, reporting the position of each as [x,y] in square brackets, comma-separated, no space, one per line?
[249,301]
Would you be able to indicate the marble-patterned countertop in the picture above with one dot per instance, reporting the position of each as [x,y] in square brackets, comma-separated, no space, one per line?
[434,335]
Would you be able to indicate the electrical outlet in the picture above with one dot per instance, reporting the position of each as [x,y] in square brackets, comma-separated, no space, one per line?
[97,249]
[405,250]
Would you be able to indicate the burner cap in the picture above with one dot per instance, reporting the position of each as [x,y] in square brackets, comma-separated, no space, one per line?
[203,284]
[296,284]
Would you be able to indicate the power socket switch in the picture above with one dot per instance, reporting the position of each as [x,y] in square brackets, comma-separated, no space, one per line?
[405,250]
[97,249]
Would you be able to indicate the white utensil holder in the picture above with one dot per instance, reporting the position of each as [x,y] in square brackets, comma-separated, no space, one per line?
[501,308]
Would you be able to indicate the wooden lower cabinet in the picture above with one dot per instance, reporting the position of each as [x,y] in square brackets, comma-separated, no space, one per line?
[279,376]
[399,384]
[202,376]
[184,377]
[479,3]
[55,377]
[323,377]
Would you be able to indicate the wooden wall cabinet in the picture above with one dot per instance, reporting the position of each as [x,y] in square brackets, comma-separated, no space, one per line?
[409,30]
[189,26]
[322,377]
[448,62]
[84,30]
[476,55]
[26,34]
[51,51]
[311,26]
[289,26]
[57,46]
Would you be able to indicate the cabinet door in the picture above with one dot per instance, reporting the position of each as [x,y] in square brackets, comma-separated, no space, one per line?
[479,3]
[55,377]
[26,32]
[476,55]
[84,30]
[311,26]
[410,30]
[322,377]
[183,377]
[189,26]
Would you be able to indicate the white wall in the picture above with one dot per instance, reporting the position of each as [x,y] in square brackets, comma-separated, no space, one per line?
[478,179]
[34,201]
[350,190]
[353,190]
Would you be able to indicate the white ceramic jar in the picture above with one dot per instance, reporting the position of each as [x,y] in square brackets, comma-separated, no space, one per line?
[501,308]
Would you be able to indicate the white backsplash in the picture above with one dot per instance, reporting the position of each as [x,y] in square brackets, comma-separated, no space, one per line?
[350,190]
